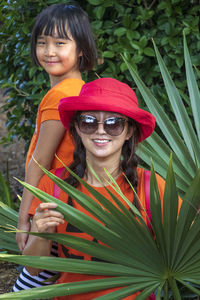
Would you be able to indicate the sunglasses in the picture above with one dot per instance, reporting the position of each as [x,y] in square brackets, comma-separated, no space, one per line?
[89,124]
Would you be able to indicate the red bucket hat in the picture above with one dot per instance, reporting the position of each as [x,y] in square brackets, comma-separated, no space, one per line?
[107,94]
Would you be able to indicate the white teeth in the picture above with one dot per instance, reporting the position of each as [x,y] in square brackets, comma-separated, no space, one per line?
[101,141]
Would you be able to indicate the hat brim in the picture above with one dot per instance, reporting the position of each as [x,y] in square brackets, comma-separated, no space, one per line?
[68,106]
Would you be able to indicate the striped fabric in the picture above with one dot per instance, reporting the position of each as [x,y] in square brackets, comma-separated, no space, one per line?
[26,281]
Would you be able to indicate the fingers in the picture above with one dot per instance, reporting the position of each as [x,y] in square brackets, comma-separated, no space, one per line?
[21,238]
[46,218]
[46,210]
[48,224]
[45,206]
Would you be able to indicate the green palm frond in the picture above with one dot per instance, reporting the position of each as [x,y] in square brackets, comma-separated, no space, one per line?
[186,144]
[5,193]
[8,217]
[132,257]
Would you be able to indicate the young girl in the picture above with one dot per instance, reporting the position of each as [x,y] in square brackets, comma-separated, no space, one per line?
[62,44]
[106,124]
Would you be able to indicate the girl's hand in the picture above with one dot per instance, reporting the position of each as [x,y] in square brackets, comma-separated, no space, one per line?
[46,218]
[21,238]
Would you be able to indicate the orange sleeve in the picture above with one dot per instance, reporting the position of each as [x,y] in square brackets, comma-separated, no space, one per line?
[67,88]
[49,110]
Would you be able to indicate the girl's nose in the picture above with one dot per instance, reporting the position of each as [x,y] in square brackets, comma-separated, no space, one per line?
[49,50]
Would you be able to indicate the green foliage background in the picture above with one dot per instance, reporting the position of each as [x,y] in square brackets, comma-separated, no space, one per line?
[119,26]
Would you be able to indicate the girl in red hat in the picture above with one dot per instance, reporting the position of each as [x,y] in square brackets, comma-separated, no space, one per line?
[106,125]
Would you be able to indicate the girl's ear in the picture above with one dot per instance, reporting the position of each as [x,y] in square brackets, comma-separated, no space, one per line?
[130,132]
[80,54]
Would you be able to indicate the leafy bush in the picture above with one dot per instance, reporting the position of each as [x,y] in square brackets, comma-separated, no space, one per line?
[119,27]
[24,83]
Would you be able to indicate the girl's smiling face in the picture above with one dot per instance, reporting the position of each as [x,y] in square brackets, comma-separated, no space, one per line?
[100,144]
[58,56]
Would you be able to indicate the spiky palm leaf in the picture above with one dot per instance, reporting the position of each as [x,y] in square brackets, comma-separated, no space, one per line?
[8,217]
[134,259]
[5,193]
[186,144]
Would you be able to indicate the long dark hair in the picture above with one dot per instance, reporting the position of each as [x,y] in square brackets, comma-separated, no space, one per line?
[75,20]
[129,161]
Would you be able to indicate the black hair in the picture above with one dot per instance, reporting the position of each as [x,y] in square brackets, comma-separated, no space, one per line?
[129,160]
[75,20]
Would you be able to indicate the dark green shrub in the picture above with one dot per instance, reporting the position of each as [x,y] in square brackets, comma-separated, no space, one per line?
[25,84]
[128,27]
[125,27]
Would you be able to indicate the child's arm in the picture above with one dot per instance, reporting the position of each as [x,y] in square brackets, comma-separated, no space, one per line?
[50,137]
[45,220]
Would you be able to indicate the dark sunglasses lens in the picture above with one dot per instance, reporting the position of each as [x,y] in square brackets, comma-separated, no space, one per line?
[87,124]
[114,126]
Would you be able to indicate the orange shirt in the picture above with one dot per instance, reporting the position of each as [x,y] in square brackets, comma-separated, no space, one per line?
[47,185]
[48,110]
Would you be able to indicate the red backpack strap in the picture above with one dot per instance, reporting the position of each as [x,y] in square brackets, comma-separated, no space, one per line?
[59,173]
[147,175]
